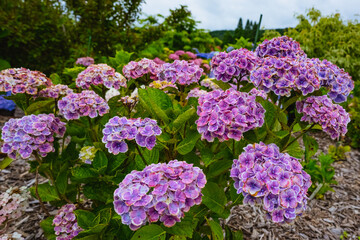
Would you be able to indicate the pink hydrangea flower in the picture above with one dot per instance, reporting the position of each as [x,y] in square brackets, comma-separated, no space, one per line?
[65,223]
[85,61]
[13,203]
[55,91]
[276,180]
[181,72]
[117,130]
[22,80]
[331,117]
[100,74]
[163,191]
[228,114]
[86,103]
[31,133]
[138,69]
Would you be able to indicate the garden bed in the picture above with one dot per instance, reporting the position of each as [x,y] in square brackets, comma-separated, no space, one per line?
[325,218]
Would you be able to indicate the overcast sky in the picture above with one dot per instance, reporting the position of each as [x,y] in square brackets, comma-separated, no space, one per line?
[224,14]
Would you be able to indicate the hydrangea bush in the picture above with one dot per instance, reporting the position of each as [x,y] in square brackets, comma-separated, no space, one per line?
[110,157]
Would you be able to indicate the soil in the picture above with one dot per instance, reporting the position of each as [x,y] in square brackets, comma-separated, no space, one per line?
[326,218]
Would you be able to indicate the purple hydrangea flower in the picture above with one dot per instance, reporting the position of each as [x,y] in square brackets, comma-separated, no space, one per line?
[22,80]
[335,79]
[258,93]
[117,130]
[136,70]
[55,91]
[85,61]
[100,74]
[280,47]
[163,191]
[181,72]
[86,103]
[65,223]
[196,92]
[228,114]
[31,133]
[235,64]
[265,175]
[331,117]
[281,75]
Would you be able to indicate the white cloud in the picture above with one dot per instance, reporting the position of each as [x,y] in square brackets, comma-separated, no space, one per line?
[224,14]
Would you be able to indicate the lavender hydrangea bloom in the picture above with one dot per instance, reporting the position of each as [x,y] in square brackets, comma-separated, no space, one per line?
[196,92]
[336,80]
[280,47]
[117,130]
[86,103]
[235,64]
[228,114]
[55,91]
[31,133]
[65,223]
[159,192]
[100,74]
[319,109]
[265,175]
[85,61]
[22,80]
[136,70]
[281,75]
[181,72]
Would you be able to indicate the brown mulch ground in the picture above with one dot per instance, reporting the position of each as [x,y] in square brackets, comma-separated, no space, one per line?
[327,218]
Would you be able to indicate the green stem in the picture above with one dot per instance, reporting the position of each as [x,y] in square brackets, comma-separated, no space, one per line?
[238,83]
[42,205]
[300,135]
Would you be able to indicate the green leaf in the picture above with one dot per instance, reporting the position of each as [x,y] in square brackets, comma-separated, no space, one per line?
[183,228]
[61,181]
[116,162]
[219,167]
[46,192]
[55,78]
[83,173]
[182,118]
[156,102]
[104,215]
[270,113]
[4,64]
[100,161]
[188,143]
[48,228]
[223,85]
[214,197]
[216,230]
[5,162]
[150,232]
[86,219]
[40,106]
[295,150]
[235,197]
[281,134]
[100,191]
[207,157]
[311,146]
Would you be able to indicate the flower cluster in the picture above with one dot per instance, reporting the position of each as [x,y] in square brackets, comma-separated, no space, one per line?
[13,203]
[87,154]
[86,103]
[181,72]
[65,223]
[85,61]
[264,175]
[336,80]
[132,100]
[31,133]
[179,53]
[117,130]
[281,75]
[319,109]
[13,236]
[196,92]
[228,114]
[55,91]
[258,93]
[207,82]
[162,85]
[280,47]
[138,69]
[235,64]
[160,191]
[99,74]
[5,104]
[22,80]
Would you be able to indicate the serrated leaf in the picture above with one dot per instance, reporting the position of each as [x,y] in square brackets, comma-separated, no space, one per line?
[48,227]
[100,161]
[187,145]
[216,230]
[182,118]
[46,192]
[83,173]
[214,197]
[86,219]
[311,146]
[183,228]
[149,232]
[40,106]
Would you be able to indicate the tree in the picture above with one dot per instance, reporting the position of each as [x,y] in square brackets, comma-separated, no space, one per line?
[239,29]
